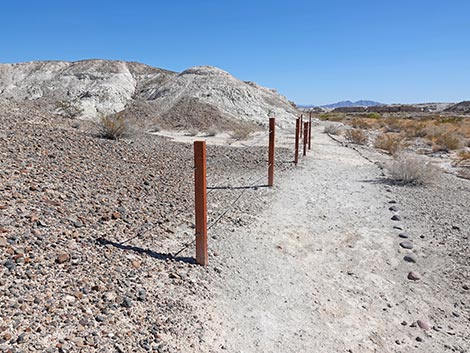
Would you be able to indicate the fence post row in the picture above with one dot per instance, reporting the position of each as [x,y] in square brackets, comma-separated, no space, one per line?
[305,137]
[272,128]
[310,130]
[301,124]
[200,202]
[297,133]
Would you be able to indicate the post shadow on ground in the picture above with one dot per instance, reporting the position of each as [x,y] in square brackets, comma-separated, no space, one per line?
[228,187]
[151,253]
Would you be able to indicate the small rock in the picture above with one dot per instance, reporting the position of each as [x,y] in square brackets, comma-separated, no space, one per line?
[21,338]
[99,318]
[115,215]
[455,227]
[142,295]
[3,230]
[403,235]
[419,339]
[62,258]
[393,208]
[398,227]
[10,265]
[392,202]
[3,242]
[127,302]
[424,325]
[414,276]
[174,275]
[406,245]
[410,258]
[466,287]
[78,341]
[396,217]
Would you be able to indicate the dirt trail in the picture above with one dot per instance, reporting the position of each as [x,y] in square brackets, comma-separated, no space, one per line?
[321,270]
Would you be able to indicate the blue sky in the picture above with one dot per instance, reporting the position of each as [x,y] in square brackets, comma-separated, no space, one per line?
[311,51]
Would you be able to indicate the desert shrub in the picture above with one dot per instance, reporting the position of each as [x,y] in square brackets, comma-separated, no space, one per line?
[212,131]
[356,136]
[331,116]
[112,127]
[462,156]
[332,129]
[415,130]
[374,115]
[393,125]
[449,120]
[358,123]
[69,109]
[409,169]
[388,143]
[242,132]
[447,141]
[192,132]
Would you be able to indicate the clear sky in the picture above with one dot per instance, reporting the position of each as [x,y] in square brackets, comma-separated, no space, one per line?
[311,51]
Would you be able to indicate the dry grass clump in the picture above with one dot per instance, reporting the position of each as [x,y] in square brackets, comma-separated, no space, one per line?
[242,132]
[446,142]
[332,116]
[112,127]
[359,123]
[409,169]
[356,136]
[462,157]
[332,129]
[388,143]
[393,125]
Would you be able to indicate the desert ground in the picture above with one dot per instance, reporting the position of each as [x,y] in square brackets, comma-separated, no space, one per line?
[336,257]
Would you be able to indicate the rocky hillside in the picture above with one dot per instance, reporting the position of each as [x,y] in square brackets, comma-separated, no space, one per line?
[92,88]
[461,108]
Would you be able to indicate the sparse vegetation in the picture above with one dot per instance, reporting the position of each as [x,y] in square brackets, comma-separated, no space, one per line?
[462,157]
[409,169]
[68,109]
[331,116]
[389,143]
[112,127]
[374,116]
[359,123]
[356,136]
[332,129]
[242,132]
[446,142]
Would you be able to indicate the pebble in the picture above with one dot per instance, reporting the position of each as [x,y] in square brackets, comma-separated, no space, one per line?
[419,339]
[466,287]
[422,324]
[406,245]
[10,265]
[127,302]
[410,258]
[403,235]
[398,227]
[396,217]
[3,242]
[393,208]
[414,276]
[142,295]
[62,258]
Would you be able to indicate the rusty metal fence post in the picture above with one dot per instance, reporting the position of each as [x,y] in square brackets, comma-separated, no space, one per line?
[272,128]
[310,131]
[200,202]
[297,133]
[305,138]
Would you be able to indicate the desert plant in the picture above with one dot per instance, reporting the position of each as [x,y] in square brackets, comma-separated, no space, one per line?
[389,143]
[242,132]
[462,156]
[359,123]
[356,136]
[69,109]
[112,127]
[374,115]
[409,169]
[393,125]
[447,142]
[332,129]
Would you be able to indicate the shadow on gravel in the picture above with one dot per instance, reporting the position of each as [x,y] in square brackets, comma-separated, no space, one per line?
[381,181]
[155,255]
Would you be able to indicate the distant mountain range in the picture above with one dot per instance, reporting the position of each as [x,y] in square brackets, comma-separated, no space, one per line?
[342,104]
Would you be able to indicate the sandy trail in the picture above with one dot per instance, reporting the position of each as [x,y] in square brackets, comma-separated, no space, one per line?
[321,269]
